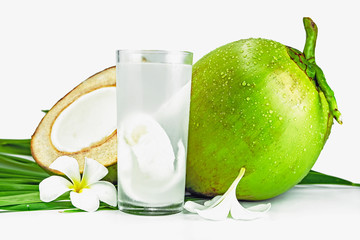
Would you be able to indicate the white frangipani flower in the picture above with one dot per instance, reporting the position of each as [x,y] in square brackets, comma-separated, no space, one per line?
[86,192]
[221,206]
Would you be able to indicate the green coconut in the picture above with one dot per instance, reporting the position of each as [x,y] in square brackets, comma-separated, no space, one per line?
[261,105]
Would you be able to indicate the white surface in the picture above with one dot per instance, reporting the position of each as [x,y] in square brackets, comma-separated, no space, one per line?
[48,48]
[302,213]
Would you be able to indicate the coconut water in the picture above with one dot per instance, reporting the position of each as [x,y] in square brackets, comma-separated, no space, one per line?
[153,113]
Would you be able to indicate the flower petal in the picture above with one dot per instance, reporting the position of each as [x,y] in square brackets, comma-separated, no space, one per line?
[212,201]
[93,172]
[219,207]
[53,187]
[219,212]
[192,206]
[68,166]
[239,212]
[231,191]
[260,208]
[86,200]
[105,191]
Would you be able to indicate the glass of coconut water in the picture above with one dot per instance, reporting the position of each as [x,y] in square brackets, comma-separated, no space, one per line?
[153,100]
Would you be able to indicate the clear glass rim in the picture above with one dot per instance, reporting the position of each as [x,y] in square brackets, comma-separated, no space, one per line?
[159,56]
[153,51]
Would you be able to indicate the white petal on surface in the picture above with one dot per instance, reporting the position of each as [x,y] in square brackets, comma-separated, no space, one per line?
[93,171]
[192,206]
[258,211]
[53,187]
[260,208]
[220,206]
[105,191]
[212,201]
[232,188]
[86,200]
[219,212]
[231,191]
[68,166]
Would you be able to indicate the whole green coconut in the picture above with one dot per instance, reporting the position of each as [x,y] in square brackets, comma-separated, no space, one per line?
[261,105]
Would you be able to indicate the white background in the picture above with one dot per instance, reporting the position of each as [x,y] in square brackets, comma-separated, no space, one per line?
[48,47]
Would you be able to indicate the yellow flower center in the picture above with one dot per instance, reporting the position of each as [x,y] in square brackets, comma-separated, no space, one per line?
[79,186]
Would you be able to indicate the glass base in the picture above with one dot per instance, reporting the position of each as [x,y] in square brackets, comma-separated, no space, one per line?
[150,211]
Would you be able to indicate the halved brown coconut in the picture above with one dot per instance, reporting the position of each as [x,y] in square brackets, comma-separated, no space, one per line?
[81,124]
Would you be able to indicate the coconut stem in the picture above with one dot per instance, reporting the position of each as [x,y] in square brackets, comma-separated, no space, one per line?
[311,36]
[329,94]
[309,52]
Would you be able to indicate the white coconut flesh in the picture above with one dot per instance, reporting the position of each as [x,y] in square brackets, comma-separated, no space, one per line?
[149,167]
[86,121]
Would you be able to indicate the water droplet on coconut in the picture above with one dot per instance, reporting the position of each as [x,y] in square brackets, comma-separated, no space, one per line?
[247,99]
[243,83]
[280,118]
[270,111]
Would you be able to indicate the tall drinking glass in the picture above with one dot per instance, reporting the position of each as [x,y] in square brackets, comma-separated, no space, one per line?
[153,101]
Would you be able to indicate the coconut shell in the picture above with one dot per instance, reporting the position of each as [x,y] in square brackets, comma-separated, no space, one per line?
[103,151]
